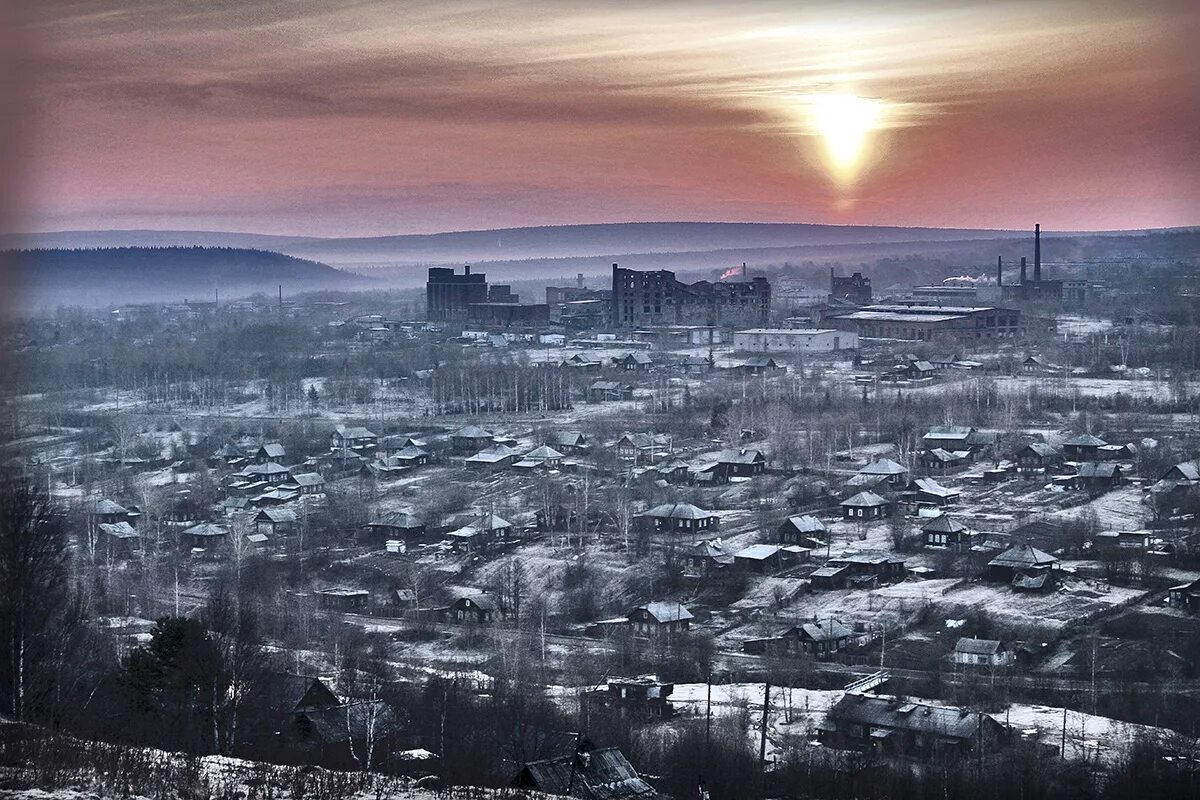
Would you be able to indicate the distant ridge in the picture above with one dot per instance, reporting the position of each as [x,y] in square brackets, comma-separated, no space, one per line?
[556,241]
[541,242]
[105,275]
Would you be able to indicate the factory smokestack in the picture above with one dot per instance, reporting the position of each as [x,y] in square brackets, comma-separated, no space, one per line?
[1037,253]
[1024,277]
[999,270]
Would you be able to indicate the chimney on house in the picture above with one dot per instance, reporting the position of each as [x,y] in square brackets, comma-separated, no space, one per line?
[1024,277]
[1037,253]
[467,269]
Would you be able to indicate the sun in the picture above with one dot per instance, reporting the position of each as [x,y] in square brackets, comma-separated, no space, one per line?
[845,123]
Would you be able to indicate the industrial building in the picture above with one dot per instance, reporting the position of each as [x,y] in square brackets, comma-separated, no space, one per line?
[854,289]
[794,340]
[1036,290]
[578,306]
[914,322]
[447,294]
[508,314]
[658,298]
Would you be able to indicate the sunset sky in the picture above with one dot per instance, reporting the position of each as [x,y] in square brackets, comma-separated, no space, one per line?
[365,118]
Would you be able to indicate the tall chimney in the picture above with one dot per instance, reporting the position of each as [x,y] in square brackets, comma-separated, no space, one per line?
[999,270]
[1024,277]
[467,269]
[1037,253]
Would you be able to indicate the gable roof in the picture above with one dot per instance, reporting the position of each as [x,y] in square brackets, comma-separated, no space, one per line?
[205,529]
[1023,556]
[600,774]
[959,432]
[354,432]
[740,456]
[977,647]
[482,601]
[273,450]
[714,549]
[471,432]
[1084,440]
[544,452]
[825,630]
[1040,449]
[497,452]
[864,500]
[677,511]
[106,506]
[806,523]
[663,611]
[883,466]
[1104,469]
[884,712]
[943,523]
[1187,471]
[308,479]
[119,530]
[758,552]
[566,438]
[278,516]
[397,519]
[930,486]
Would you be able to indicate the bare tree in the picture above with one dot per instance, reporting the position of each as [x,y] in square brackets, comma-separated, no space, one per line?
[33,580]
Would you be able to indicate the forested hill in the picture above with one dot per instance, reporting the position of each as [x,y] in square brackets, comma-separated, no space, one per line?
[143,274]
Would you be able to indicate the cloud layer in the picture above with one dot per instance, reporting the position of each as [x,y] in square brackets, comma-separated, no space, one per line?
[372,117]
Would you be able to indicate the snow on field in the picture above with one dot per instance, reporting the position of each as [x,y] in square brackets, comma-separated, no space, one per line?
[1090,387]
[1119,510]
[1074,325]
[1088,736]
[1075,601]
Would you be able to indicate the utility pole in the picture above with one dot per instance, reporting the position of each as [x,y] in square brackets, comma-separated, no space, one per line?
[762,742]
[1063,751]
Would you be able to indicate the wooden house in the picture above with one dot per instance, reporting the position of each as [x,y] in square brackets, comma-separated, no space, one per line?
[1083,447]
[604,390]
[660,619]
[476,609]
[741,463]
[804,530]
[681,518]
[887,726]
[1097,477]
[1185,596]
[946,531]
[470,439]
[1021,561]
[819,637]
[1037,457]
[353,439]
[707,557]
[343,599]
[866,506]
[990,653]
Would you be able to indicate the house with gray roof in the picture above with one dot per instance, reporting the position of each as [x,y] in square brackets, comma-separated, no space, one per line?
[889,726]
[660,618]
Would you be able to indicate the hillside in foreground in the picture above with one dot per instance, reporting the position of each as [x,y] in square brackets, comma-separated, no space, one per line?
[35,765]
